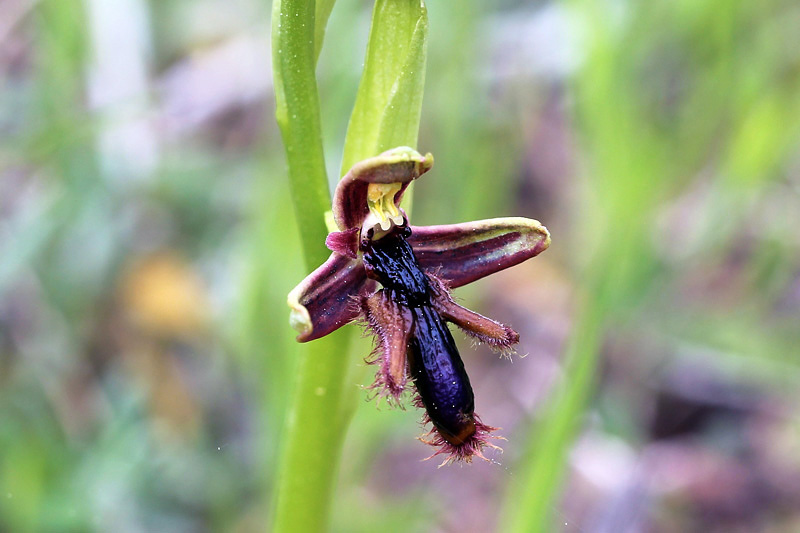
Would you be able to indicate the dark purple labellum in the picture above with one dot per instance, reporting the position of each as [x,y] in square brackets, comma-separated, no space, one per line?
[435,364]
[440,377]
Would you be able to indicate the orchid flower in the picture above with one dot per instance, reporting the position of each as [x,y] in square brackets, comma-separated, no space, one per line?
[396,278]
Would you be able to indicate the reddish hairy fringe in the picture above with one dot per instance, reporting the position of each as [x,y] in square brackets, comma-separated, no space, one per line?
[464,452]
[383,388]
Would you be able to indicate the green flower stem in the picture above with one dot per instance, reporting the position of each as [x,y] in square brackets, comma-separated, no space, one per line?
[315,426]
[294,58]
[314,434]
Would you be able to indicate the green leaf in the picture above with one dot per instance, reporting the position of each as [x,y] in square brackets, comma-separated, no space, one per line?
[389,100]
[323,13]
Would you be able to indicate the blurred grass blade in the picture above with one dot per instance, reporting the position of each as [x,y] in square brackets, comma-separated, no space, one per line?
[389,100]
[531,500]
[617,208]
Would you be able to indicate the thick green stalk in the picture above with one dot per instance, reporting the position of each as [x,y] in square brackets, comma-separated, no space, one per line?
[315,426]
[294,58]
[313,436]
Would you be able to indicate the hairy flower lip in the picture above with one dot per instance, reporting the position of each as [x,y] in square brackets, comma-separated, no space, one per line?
[398,278]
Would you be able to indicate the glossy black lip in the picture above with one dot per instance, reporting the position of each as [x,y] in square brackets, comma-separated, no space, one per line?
[433,359]
[440,377]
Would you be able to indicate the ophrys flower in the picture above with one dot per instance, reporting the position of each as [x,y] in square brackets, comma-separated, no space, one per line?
[398,277]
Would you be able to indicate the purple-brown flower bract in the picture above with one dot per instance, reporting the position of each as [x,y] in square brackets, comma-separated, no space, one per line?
[397,278]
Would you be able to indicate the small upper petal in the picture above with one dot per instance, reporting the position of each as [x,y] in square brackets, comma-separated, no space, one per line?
[323,302]
[344,242]
[463,253]
[396,166]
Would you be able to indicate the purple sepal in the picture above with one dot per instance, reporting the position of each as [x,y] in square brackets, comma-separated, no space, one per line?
[463,253]
[326,299]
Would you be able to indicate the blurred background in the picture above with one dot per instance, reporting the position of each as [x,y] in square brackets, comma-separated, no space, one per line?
[147,244]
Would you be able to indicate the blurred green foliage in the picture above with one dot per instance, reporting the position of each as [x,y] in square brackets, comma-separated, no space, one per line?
[147,243]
